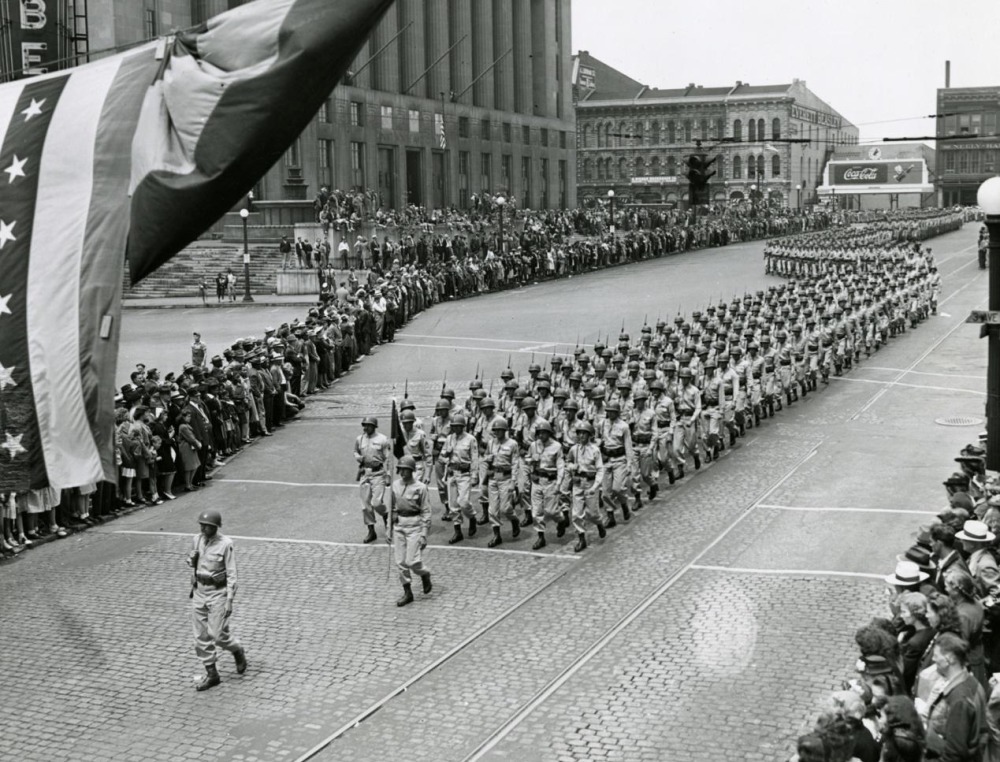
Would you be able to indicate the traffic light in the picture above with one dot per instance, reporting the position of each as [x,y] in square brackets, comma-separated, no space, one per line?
[698,175]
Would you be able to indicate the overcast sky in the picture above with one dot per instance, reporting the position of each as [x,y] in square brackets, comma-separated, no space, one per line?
[872,60]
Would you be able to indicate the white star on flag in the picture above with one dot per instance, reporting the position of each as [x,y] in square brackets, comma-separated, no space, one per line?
[4,309]
[5,232]
[16,169]
[13,445]
[34,109]
[6,377]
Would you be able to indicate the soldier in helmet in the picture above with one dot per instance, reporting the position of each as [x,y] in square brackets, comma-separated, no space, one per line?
[440,428]
[213,588]
[586,469]
[460,457]
[502,456]
[545,461]
[411,510]
[372,451]
[616,449]
[417,445]
[644,433]
[687,438]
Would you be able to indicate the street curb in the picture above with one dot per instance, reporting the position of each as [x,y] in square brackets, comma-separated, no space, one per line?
[256,303]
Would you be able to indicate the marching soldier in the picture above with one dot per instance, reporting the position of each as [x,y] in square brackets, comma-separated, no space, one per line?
[440,427]
[644,433]
[417,445]
[411,509]
[616,448]
[372,451]
[213,588]
[545,462]
[502,456]
[460,457]
[586,468]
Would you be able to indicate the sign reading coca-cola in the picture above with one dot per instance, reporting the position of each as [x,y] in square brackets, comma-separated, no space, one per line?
[862,173]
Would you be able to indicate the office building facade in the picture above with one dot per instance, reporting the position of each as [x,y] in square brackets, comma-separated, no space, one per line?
[964,162]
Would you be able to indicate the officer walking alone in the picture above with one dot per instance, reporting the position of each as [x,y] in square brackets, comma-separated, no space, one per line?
[412,512]
[213,587]
[371,451]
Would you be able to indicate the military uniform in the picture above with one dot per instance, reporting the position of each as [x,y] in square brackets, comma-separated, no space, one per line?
[372,454]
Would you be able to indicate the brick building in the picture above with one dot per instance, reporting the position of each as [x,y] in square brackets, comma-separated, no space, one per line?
[963,165]
[634,139]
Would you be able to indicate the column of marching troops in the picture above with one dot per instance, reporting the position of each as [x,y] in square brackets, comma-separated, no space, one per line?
[586,439]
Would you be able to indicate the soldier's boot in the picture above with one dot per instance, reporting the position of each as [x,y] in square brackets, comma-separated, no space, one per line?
[838,370]
[637,506]
[210,680]
[484,518]
[697,461]
[515,527]
[671,476]
[680,471]
[497,539]
[472,526]
[407,596]
[770,408]
[710,446]
[788,397]
[240,656]
[732,436]
[581,543]
[540,542]
[371,536]
[778,404]
[458,536]
[563,524]
[626,514]
[425,581]
[611,523]
[601,531]
[527,520]
[654,489]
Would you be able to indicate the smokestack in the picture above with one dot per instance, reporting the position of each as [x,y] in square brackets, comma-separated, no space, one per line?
[947,74]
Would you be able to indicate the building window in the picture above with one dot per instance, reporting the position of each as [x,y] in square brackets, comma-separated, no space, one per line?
[704,129]
[687,130]
[585,136]
[545,183]
[671,132]
[484,129]
[543,135]
[760,130]
[654,134]
[526,182]
[562,183]
[752,131]
[414,120]
[776,166]
[463,179]
[356,112]
[737,167]
[640,167]
[325,163]
[463,126]
[737,130]
[506,170]
[358,164]
[562,138]
[720,128]
[150,27]
[486,173]
[323,115]
[671,166]
[588,169]
[760,167]
[990,123]
[638,134]
[949,161]
[622,169]
[293,156]
[776,128]
[963,161]
[506,132]
[387,117]
[526,135]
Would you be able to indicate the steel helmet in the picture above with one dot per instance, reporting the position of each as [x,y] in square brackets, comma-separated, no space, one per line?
[613,407]
[408,416]
[406,461]
[448,394]
[534,368]
[500,424]
[642,394]
[488,402]
[507,374]
[212,518]
[598,393]
[585,427]
[686,373]
[528,403]
[571,405]
[543,426]
[479,394]
[657,386]
[369,421]
[458,420]
[475,384]
[442,405]
[520,394]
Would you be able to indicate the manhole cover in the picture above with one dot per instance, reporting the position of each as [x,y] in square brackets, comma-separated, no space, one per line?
[959,420]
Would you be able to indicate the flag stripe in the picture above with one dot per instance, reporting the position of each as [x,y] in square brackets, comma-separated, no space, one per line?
[25,136]
[66,178]
[101,266]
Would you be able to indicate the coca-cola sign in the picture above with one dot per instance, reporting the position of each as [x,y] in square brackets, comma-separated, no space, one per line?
[866,173]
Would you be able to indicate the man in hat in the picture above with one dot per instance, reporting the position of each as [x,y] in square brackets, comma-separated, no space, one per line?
[198,351]
[977,538]
[213,589]
[411,510]
[946,553]
[372,451]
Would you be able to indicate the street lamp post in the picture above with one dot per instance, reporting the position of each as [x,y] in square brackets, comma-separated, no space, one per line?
[989,201]
[611,199]
[500,201]
[753,197]
[798,197]
[244,213]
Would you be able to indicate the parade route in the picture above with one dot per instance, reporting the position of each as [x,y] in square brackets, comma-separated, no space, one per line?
[735,593]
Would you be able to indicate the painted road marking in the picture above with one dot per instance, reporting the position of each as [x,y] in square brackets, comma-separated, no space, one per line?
[824,509]
[802,572]
[375,545]
[286,484]
[464,349]
[909,386]
[476,338]
[921,372]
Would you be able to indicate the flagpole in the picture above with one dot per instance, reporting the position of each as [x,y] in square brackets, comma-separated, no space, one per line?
[394,425]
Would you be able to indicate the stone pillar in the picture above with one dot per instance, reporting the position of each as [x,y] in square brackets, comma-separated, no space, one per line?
[482,52]
[543,57]
[460,25]
[564,95]
[411,47]
[385,68]
[521,58]
[503,40]
[438,79]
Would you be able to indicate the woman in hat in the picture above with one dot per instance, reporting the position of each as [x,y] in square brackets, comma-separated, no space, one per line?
[915,636]
[188,447]
[962,590]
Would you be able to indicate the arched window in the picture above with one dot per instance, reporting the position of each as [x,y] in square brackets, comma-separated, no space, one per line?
[760,130]
[620,137]
[687,130]
[737,167]
[737,130]
[588,169]
[585,136]
[600,169]
[654,134]
[671,166]
[671,132]
[720,167]
[720,128]
[760,167]
[776,166]
[637,131]
[704,129]
[640,167]
[622,168]
[600,135]
[654,167]
[775,128]
[752,131]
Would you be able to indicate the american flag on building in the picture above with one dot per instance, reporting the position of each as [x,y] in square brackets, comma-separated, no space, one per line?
[134,156]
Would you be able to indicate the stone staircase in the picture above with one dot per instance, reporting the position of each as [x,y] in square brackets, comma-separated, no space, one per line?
[202,261]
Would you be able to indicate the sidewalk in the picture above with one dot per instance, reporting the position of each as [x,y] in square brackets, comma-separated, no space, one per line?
[189,302]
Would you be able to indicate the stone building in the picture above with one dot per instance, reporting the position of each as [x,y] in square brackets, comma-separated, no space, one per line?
[634,139]
[963,164]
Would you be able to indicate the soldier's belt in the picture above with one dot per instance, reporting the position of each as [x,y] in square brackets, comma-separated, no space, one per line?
[612,452]
[546,472]
[404,513]
[417,457]
[372,470]
[685,410]
[502,470]
[462,468]
[643,438]
[210,580]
